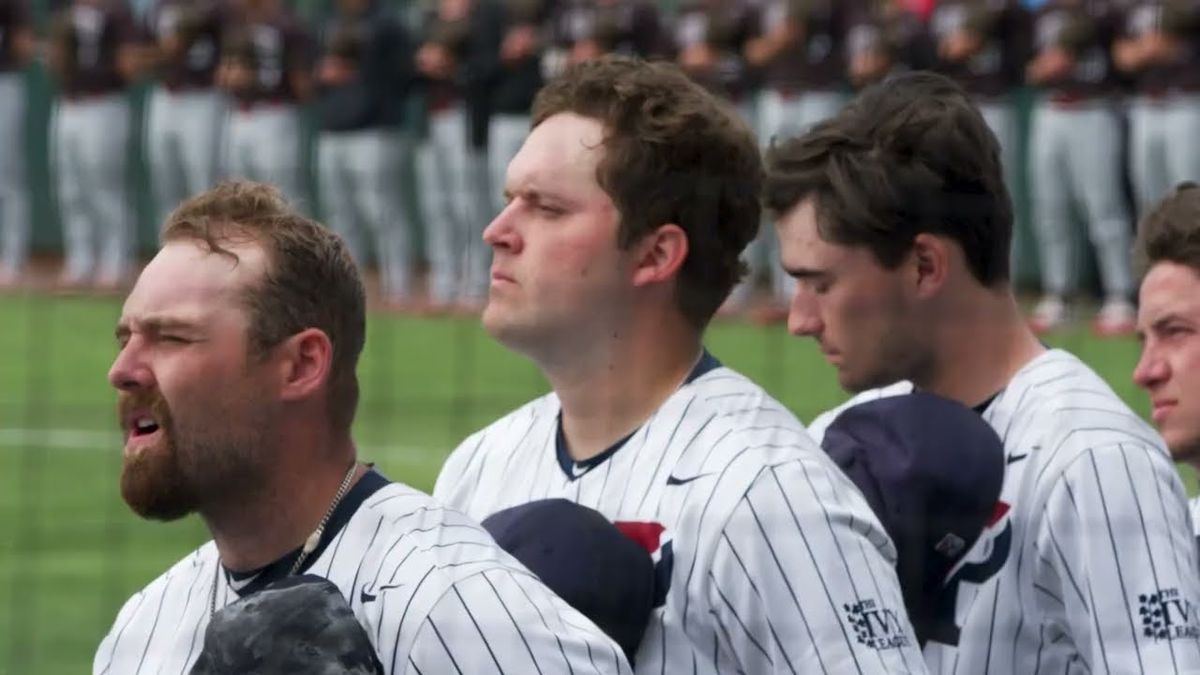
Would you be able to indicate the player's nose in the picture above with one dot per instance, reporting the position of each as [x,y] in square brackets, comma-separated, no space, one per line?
[129,370]
[804,319]
[501,233]
[1151,369]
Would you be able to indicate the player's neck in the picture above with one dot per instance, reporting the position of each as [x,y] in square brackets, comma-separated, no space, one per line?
[258,529]
[626,379]
[980,347]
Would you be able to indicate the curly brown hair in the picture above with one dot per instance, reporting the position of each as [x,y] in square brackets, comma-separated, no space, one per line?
[1171,232]
[673,154]
[310,281]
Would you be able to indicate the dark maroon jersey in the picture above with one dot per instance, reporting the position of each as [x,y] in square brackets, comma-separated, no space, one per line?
[632,27]
[892,33]
[724,27]
[1177,19]
[278,46]
[1085,29]
[817,61]
[100,30]
[1004,31]
[14,17]
[198,25]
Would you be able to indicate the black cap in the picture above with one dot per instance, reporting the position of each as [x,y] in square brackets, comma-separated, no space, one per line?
[301,625]
[932,470]
[584,559]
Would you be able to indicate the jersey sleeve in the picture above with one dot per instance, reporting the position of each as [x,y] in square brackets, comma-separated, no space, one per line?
[1118,555]
[802,578]
[503,622]
[459,475]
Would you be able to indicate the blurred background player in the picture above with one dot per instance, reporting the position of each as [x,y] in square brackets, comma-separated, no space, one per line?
[710,38]
[1168,248]
[266,67]
[895,221]
[186,111]
[883,37]
[363,81]
[93,57]
[1159,46]
[588,29]
[801,53]
[16,49]
[984,46]
[514,78]
[450,163]
[1075,162]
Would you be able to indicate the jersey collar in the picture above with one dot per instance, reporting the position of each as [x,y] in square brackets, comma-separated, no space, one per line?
[245,583]
[575,470]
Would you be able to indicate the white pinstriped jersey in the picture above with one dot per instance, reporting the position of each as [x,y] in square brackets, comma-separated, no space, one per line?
[1091,565]
[769,560]
[432,589]
[1194,507]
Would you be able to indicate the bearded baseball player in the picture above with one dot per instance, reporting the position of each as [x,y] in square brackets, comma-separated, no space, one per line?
[236,384]
[895,221]
[610,259]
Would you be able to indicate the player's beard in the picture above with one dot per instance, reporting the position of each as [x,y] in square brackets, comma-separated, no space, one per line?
[191,467]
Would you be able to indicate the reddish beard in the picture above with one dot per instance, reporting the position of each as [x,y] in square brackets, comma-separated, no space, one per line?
[153,482]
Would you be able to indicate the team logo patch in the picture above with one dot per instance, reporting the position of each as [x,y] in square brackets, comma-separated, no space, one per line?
[1166,615]
[657,541]
[876,626]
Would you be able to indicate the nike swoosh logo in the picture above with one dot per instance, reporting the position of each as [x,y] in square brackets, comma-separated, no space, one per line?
[366,597]
[673,480]
[1013,459]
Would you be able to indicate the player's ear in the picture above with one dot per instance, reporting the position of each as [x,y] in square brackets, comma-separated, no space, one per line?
[660,255]
[930,258]
[305,360]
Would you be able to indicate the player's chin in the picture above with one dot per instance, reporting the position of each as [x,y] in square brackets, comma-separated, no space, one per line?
[153,488]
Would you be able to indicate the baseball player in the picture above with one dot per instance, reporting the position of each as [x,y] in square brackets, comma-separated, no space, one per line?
[895,221]
[883,37]
[236,398]
[266,68]
[710,37]
[1168,247]
[451,167]
[802,53]
[1076,159]
[16,49]
[364,79]
[515,74]
[186,111]
[93,56]
[610,258]
[1158,44]
[984,46]
[587,29]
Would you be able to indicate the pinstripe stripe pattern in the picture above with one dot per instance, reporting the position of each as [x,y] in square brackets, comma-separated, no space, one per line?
[774,552]
[1102,538]
[433,591]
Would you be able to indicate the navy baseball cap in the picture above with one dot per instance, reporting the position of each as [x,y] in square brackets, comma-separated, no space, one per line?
[301,625]
[932,470]
[585,560]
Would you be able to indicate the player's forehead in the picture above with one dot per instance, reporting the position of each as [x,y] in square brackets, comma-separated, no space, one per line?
[186,283]
[560,155]
[1169,288]
[801,239]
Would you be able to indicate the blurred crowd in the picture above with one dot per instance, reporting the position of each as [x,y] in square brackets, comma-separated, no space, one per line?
[1115,122]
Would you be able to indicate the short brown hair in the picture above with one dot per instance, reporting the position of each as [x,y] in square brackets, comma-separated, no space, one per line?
[1171,232]
[310,281]
[673,153]
[909,155]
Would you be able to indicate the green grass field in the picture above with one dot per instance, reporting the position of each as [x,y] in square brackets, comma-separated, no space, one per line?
[70,553]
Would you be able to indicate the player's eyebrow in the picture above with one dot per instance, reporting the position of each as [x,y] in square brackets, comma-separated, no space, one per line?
[801,273]
[155,325]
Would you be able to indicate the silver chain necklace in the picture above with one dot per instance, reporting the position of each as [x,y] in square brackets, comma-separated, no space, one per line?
[310,544]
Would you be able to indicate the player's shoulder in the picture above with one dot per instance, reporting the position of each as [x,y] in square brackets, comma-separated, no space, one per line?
[426,535]
[1057,400]
[817,427]
[195,567]
[502,434]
